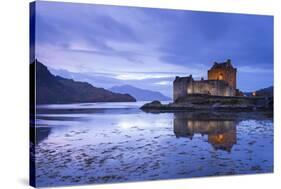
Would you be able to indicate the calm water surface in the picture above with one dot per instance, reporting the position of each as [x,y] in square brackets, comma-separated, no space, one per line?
[117,142]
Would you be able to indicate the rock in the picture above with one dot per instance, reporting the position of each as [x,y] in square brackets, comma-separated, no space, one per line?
[153,104]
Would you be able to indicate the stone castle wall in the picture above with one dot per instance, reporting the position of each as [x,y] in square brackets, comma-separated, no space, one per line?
[185,86]
[212,87]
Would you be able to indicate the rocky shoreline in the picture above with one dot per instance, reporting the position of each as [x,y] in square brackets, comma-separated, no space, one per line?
[217,103]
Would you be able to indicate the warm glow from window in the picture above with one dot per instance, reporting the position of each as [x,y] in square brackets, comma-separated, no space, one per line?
[219,138]
[220,77]
[189,90]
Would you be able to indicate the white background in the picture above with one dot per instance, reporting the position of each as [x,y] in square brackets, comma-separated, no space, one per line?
[14,120]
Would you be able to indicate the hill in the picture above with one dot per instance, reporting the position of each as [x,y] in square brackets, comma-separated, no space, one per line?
[52,89]
[268,91]
[265,92]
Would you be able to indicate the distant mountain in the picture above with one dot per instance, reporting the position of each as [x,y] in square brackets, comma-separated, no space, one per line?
[57,90]
[261,92]
[265,92]
[139,94]
[248,93]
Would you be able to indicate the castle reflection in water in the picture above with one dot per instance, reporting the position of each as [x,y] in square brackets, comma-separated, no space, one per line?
[221,133]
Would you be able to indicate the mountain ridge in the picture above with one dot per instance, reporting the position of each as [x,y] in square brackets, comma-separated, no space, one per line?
[140,94]
[267,91]
[51,89]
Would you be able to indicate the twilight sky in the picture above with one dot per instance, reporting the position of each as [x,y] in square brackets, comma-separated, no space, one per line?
[147,48]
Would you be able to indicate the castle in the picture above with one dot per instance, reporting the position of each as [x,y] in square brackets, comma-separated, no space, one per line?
[221,82]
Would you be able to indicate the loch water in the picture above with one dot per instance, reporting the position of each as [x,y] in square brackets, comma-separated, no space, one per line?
[117,142]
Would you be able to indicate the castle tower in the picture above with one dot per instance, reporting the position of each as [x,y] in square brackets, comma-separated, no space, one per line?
[182,86]
[223,71]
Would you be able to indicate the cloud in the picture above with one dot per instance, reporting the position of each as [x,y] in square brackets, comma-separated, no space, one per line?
[163,83]
[135,45]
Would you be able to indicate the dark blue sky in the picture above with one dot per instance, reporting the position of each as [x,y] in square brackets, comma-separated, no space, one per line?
[147,48]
